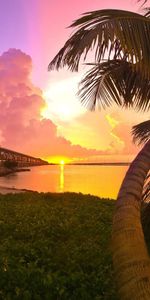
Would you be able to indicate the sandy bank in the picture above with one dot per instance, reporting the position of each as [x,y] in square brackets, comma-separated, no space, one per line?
[6,190]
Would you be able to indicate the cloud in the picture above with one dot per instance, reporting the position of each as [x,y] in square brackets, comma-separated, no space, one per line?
[121,130]
[22,128]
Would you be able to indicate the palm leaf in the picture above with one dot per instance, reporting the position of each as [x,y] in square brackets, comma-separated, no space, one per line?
[147,12]
[144,1]
[141,132]
[115,81]
[115,32]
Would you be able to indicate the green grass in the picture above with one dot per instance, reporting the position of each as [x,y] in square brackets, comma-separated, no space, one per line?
[56,246]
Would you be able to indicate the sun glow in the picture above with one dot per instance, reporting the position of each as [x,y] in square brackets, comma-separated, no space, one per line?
[62,102]
[59,160]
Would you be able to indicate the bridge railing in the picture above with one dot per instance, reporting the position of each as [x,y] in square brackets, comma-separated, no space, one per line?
[20,158]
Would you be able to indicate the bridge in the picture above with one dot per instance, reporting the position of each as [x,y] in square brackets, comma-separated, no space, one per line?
[21,159]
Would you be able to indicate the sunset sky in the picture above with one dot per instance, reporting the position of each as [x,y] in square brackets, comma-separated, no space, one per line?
[40,113]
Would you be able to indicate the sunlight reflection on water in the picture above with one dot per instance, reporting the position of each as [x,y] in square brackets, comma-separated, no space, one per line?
[61,178]
[103,181]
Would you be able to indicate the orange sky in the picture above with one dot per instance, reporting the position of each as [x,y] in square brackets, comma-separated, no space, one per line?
[40,113]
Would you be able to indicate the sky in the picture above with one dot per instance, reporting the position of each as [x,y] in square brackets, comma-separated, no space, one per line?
[40,113]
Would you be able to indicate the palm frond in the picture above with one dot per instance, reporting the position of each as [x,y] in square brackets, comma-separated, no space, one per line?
[144,1]
[115,81]
[141,132]
[113,32]
[147,12]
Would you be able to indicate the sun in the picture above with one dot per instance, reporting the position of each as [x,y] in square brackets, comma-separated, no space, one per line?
[62,162]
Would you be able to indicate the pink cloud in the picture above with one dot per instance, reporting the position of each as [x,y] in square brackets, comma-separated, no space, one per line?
[123,133]
[20,120]
[21,126]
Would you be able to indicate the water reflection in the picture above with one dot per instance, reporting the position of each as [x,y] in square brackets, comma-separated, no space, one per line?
[61,187]
[97,180]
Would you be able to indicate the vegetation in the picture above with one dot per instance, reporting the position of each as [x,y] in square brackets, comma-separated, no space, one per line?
[55,246]
[120,74]
[10,164]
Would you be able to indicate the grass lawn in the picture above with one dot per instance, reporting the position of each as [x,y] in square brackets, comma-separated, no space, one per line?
[56,246]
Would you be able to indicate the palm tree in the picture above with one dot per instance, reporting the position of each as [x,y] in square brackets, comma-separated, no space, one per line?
[121,74]
[141,132]
[114,33]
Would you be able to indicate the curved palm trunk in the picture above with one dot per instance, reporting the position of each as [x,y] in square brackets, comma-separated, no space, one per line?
[130,256]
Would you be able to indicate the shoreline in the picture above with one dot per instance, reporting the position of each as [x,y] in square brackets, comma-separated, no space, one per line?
[5,171]
[12,190]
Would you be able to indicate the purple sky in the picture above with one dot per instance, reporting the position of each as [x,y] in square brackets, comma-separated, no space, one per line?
[39,27]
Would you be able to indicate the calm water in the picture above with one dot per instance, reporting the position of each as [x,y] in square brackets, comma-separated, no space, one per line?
[103,181]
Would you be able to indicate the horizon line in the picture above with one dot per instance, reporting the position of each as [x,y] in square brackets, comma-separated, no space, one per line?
[96,163]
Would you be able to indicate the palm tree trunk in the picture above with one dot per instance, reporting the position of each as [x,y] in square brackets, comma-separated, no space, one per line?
[130,255]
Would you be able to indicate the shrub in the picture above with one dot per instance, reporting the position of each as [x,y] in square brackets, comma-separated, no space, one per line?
[56,246]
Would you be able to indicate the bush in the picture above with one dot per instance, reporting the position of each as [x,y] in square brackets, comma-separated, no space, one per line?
[56,246]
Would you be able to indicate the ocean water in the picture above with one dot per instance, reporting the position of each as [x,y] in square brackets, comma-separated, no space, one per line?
[102,181]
